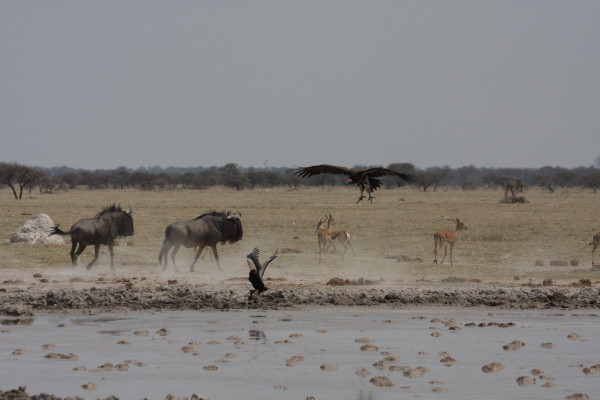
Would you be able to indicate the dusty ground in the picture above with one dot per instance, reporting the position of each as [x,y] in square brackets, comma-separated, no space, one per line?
[505,259]
[74,289]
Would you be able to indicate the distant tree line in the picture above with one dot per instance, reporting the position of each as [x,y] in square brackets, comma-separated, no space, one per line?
[22,178]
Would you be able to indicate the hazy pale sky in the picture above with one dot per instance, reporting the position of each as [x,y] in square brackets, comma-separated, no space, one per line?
[103,84]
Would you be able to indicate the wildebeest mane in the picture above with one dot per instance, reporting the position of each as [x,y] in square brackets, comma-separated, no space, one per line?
[122,222]
[124,226]
[231,230]
[213,213]
[108,209]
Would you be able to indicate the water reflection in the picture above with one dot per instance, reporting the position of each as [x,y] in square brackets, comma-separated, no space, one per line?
[365,396]
[256,334]
[286,369]
[17,321]
[114,332]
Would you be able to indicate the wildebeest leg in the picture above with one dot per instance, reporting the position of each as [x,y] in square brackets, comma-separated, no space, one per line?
[203,256]
[164,252]
[96,252]
[74,257]
[173,253]
[112,254]
[214,249]
[79,251]
[196,257]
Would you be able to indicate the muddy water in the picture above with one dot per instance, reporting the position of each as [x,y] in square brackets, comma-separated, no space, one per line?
[253,353]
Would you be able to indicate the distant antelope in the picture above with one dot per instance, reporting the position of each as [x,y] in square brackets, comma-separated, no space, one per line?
[324,238]
[596,243]
[446,239]
[340,236]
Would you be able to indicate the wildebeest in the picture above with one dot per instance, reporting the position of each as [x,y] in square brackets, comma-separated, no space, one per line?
[110,223]
[596,243]
[208,229]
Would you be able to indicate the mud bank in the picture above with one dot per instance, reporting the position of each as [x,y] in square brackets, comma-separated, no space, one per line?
[20,301]
[21,394]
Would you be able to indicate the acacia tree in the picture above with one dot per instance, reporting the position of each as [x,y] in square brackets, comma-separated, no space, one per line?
[432,177]
[592,181]
[17,177]
[71,179]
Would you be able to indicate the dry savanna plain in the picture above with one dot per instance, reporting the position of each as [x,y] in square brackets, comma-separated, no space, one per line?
[392,238]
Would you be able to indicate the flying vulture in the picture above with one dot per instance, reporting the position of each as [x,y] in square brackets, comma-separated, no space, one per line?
[366,180]
[257,270]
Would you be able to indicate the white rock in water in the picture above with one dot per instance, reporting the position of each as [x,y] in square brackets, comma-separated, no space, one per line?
[36,231]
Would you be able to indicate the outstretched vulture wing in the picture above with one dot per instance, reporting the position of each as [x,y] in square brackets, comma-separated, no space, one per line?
[379,171]
[313,170]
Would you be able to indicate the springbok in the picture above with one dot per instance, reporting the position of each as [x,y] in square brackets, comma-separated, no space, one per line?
[340,236]
[324,238]
[444,238]
[596,243]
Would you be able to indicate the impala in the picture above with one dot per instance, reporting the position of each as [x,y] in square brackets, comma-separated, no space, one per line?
[446,239]
[340,236]
[324,238]
[595,242]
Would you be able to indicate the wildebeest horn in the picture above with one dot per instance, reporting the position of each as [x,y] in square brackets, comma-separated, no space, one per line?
[239,213]
[130,211]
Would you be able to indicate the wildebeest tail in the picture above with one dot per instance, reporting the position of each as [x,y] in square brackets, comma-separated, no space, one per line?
[57,231]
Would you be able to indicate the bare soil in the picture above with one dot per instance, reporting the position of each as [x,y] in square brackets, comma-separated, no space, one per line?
[74,290]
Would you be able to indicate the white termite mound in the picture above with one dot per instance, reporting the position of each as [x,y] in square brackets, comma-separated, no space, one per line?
[36,231]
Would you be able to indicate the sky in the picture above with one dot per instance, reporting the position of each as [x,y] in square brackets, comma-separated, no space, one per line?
[140,83]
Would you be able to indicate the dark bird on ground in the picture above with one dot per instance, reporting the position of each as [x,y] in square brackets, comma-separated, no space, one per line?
[257,271]
[366,180]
